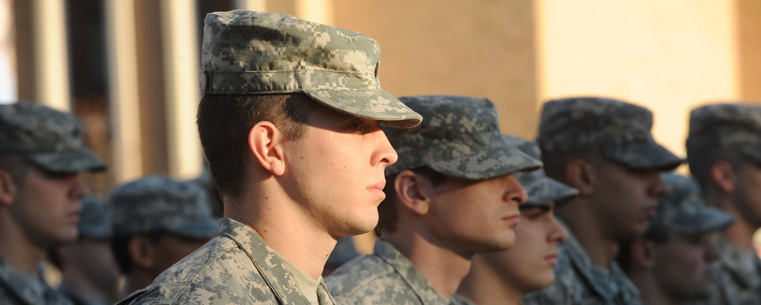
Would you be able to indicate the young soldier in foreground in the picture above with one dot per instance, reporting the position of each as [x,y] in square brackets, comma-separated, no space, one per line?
[675,261]
[451,195]
[724,153]
[504,277]
[41,156]
[604,149]
[290,126]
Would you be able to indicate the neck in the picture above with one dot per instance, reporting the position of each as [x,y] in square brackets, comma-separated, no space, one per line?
[484,286]
[87,289]
[739,233]
[137,280]
[649,291]
[286,228]
[586,229]
[15,248]
[442,267]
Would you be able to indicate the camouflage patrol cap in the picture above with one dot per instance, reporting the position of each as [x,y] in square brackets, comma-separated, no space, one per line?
[459,138]
[248,52]
[155,203]
[726,126]
[46,137]
[682,210]
[94,220]
[541,189]
[619,131]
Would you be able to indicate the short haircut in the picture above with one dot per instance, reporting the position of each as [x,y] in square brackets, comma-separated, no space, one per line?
[225,120]
[387,214]
[701,161]
[555,163]
[16,167]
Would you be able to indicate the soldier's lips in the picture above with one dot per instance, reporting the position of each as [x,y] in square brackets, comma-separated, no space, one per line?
[513,220]
[377,188]
[551,258]
[650,211]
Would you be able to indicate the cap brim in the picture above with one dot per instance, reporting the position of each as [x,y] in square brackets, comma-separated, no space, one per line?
[706,221]
[370,104]
[70,161]
[203,228]
[644,156]
[546,190]
[496,161]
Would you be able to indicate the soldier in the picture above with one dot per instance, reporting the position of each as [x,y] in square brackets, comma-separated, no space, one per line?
[290,126]
[504,277]
[342,253]
[156,221]
[675,261]
[604,149]
[90,275]
[41,157]
[724,154]
[451,195]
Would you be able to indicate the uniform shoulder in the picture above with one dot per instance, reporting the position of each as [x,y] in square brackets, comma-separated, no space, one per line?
[217,273]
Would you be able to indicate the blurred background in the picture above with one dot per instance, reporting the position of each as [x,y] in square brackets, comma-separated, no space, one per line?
[129,68]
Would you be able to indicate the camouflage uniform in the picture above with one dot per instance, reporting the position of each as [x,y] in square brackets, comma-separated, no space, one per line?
[51,140]
[266,53]
[620,132]
[736,128]
[459,138]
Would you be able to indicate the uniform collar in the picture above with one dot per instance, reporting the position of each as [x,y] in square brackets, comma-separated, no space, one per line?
[269,264]
[735,262]
[608,284]
[18,284]
[411,275]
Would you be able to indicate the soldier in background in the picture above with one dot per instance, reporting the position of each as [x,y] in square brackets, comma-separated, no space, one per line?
[41,157]
[290,126]
[675,261]
[724,154]
[89,272]
[342,253]
[504,277]
[156,221]
[451,195]
[604,149]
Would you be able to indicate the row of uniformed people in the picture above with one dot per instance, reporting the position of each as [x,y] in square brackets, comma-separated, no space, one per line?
[305,148]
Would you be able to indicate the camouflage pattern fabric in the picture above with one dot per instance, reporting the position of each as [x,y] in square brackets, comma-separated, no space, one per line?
[46,137]
[460,137]
[267,53]
[579,281]
[94,219]
[16,289]
[726,126]
[738,278]
[384,277]
[236,267]
[682,210]
[541,189]
[618,130]
[157,203]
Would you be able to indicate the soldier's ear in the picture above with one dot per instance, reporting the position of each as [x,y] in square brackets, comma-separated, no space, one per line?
[642,254]
[7,189]
[723,176]
[264,141]
[581,175]
[411,192]
[141,252]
